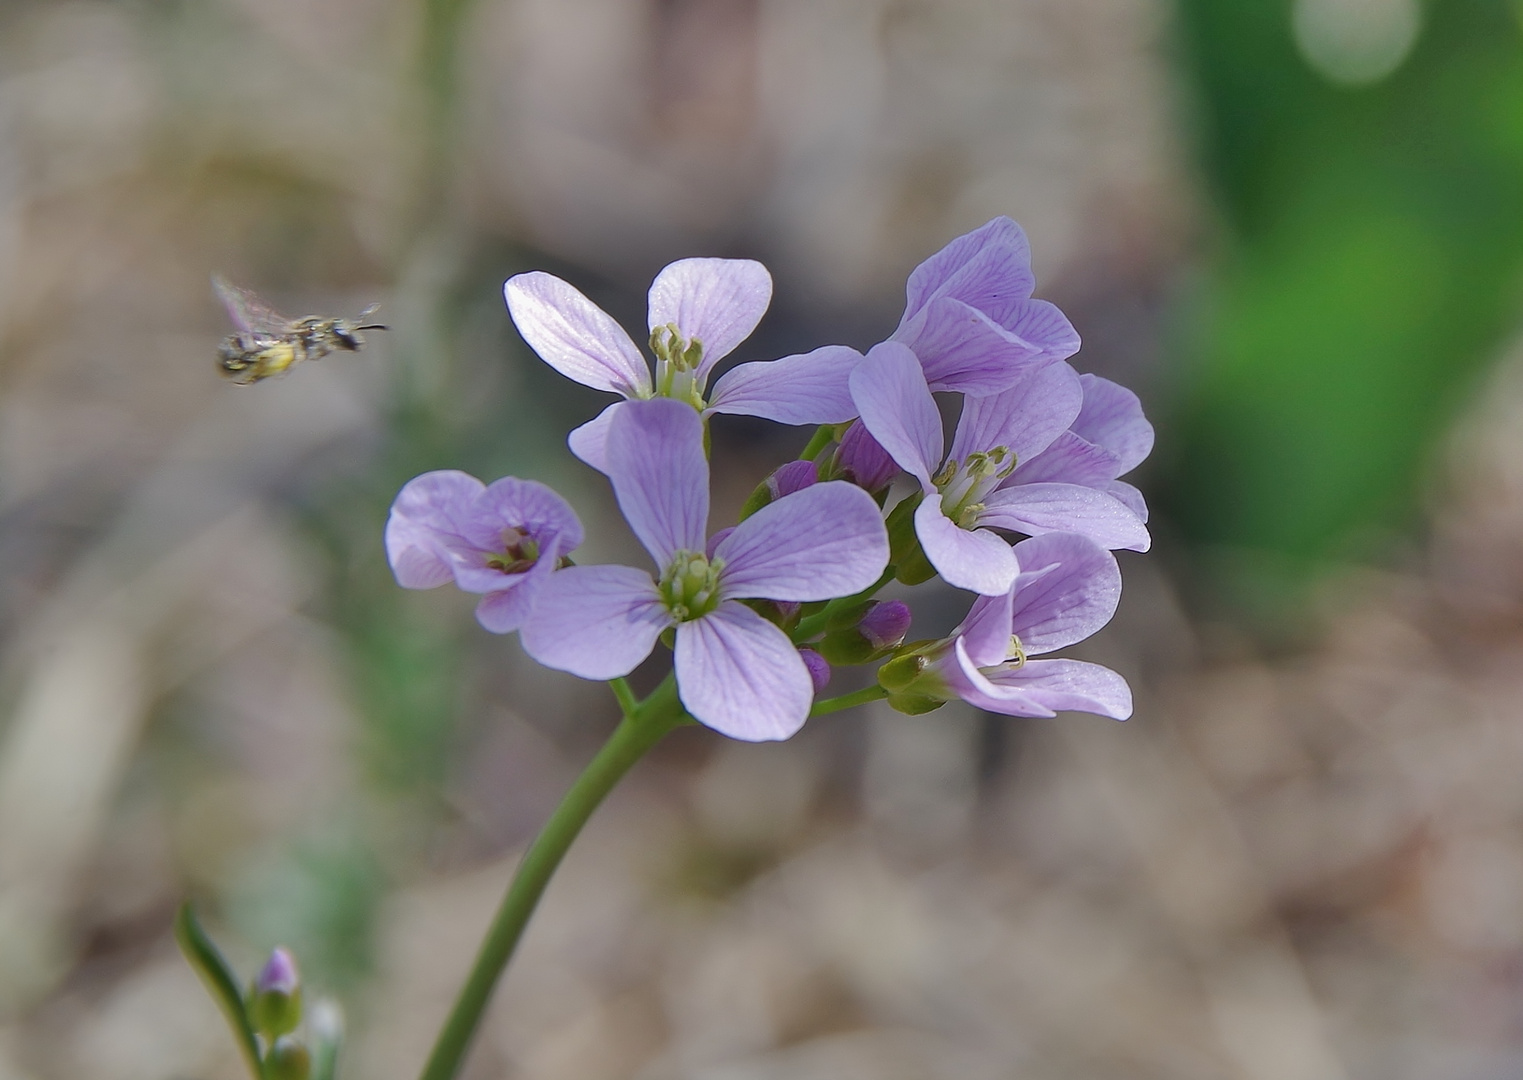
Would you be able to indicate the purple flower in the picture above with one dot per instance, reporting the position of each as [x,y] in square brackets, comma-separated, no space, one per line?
[736,672]
[980,485]
[502,540]
[970,318]
[700,310]
[1067,589]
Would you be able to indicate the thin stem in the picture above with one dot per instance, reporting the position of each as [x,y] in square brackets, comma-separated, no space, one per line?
[818,441]
[811,625]
[847,701]
[636,733]
[628,703]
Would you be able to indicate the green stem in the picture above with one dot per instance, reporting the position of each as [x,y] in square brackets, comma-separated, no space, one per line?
[811,625]
[818,441]
[636,733]
[847,701]
[628,703]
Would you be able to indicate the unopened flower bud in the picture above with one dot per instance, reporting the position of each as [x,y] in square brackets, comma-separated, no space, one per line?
[794,476]
[819,669]
[863,461]
[886,623]
[288,1059]
[275,997]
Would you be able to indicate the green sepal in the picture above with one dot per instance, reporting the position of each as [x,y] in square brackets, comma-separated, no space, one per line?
[669,637]
[848,617]
[203,955]
[914,704]
[273,1013]
[759,497]
[905,553]
[288,1059]
[845,648]
[900,673]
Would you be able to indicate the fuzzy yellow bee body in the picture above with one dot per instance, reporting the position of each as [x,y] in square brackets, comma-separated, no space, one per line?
[267,343]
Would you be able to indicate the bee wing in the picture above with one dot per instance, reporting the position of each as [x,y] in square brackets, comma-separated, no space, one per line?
[248,312]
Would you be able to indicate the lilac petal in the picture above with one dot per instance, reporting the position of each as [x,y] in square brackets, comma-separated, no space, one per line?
[1129,496]
[575,336]
[985,633]
[741,676]
[809,388]
[715,301]
[947,271]
[714,541]
[1112,418]
[996,280]
[890,392]
[1067,686]
[1042,508]
[590,441]
[507,609]
[429,510]
[964,350]
[1041,325]
[1068,588]
[597,622]
[976,559]
[825,541]
[1026,418]
[1069,460]
[659,475]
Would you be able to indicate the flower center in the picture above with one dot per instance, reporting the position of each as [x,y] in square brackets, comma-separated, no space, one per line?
[690,585]
[1013,662]
[964,485]
[519,552]
[677,361]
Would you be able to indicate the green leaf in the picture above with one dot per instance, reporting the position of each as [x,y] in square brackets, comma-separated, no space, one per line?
[212,966]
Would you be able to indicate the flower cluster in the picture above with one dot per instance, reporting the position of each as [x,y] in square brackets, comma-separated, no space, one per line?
[757,614]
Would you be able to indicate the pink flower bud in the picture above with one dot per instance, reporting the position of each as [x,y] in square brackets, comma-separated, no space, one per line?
[794,476]
[886,624]
[862,461]
[819,670]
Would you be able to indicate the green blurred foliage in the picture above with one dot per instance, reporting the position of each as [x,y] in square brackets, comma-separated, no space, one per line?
[1370,269]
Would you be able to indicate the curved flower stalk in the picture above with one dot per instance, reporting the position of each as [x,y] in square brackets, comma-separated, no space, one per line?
[1068,588]
[699,311]
[502,540]
[736,672]
[970,317]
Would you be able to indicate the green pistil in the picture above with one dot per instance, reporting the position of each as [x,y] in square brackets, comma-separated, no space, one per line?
[519,552]
[690,586]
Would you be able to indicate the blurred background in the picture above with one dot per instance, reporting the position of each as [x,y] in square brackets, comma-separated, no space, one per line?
[1295,228]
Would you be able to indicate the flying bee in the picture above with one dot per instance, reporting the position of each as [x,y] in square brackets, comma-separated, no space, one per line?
[267,343]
